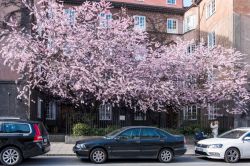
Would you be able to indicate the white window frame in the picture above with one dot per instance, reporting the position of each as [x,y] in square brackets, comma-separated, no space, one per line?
[39,107]
[191,48]
[210,8]
[212,111]
[105,111]
[171,29]
[171,2]
[189,111]
[190,23]
[211,39]
[140,22]
[71,13]
[51,110]
[105,20]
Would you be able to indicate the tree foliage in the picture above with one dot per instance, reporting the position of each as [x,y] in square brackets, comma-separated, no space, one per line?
[90,58]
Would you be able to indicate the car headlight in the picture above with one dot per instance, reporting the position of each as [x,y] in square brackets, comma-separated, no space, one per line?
[80,146]
[215,146]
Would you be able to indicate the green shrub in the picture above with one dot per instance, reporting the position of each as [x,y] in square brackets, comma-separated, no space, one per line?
[81,129]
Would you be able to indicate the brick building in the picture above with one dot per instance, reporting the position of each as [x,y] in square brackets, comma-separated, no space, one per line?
[217,22]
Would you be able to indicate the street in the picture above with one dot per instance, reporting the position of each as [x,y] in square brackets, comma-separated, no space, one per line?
[179,161]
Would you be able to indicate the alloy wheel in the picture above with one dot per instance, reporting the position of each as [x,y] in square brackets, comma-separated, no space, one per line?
[232,155]
[98,155]
[166,155]
[10,156]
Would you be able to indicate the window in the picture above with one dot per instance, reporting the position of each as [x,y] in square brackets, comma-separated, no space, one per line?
[172,26]
[130,134]
[70,13]
[189,23]
[39,108]
[211,39]
[139,116]
[210,75]
[210,8]
[149,134]
[191,48]
[105,20]
[171,2]
[212,112]
[140,23]
[190,112]
[51,111]
[233,134]
[15,128]
[140,52]
[105,112]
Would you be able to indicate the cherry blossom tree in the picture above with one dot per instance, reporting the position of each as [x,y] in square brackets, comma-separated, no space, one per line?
[83,54]
[179,75]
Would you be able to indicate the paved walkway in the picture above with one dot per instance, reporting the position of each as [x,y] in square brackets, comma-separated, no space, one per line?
[62,149]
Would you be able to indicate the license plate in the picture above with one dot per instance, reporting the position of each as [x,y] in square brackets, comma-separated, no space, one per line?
[199,149]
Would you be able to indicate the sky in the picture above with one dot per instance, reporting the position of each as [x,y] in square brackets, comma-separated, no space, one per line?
[187,2]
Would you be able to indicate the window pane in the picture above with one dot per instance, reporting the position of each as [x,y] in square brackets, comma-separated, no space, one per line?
[130,134]
[16,128]
[149,133]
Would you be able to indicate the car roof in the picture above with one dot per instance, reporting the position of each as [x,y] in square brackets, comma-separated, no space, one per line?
[14,119]
[132,127]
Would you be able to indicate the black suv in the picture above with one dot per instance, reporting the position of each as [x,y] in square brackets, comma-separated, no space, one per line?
[20,139]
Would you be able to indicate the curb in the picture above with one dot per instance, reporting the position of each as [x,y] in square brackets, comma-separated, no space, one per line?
[59,155]
[65,155]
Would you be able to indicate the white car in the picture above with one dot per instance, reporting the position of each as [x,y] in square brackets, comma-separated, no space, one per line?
[230,146]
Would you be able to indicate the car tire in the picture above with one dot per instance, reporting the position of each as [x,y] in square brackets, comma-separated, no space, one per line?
[98,155]
[11,156]
[232,155]
[166,155]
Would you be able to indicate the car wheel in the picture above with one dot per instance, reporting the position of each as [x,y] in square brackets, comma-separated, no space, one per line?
[232,155]
[11,156]
[98,155]
[166,155]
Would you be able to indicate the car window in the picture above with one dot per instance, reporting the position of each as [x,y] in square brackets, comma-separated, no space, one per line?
[233,134]
[130,134]
[15,128]
[248,135]
[149,134]
[162,133]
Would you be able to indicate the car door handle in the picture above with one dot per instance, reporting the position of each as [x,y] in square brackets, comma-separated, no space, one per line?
[162,140]
[138,142]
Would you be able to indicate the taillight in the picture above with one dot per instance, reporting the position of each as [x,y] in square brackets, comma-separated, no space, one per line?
[38,136]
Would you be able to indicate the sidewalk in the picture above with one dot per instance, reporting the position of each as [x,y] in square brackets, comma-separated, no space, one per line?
[62,149]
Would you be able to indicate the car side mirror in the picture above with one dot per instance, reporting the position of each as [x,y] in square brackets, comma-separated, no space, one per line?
[247,139]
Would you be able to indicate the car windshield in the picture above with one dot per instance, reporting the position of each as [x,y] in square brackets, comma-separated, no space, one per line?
[233,134]
[113,133]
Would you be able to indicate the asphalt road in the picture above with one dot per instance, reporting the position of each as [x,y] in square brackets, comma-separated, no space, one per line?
[185,161]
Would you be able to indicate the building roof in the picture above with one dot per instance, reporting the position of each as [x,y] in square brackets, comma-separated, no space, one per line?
[161,3]
[146,5]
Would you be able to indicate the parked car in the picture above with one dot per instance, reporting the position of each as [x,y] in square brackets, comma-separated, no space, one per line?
[230,146]
[132,142]
[20,139]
